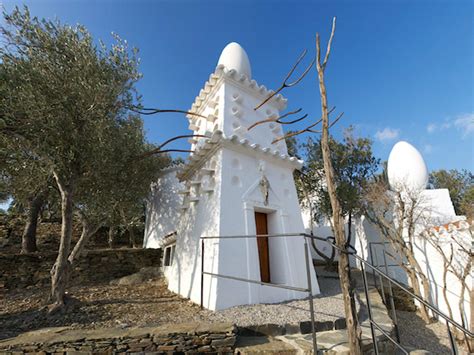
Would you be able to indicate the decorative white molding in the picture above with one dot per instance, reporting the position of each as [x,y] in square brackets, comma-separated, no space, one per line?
[222,74]
[205,150]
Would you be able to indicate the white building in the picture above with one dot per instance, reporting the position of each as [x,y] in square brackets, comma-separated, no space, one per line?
[408,173]
[235,183]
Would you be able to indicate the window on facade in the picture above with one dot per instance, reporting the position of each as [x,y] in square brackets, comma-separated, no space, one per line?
[169,253]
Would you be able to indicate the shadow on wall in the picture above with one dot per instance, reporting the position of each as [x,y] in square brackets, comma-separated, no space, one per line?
[193,224]
[163,209]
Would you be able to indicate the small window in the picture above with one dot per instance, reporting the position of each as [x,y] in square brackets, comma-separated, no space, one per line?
[169,254]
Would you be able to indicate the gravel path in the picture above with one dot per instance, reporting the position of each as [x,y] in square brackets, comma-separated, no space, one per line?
[328,307]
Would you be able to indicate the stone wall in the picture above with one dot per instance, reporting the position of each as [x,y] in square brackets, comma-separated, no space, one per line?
[94,266]
[175,338]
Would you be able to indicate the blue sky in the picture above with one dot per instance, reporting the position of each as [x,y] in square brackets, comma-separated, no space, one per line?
[399,69]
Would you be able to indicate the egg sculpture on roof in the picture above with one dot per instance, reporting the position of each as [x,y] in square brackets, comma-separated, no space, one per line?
[406,168]
[234,57]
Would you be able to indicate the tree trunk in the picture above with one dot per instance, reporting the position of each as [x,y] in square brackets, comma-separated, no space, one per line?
[28,239]
[349,229]
[87,232]
[111,237]
[61,268]
[132,237]
[353,328]
[416,275]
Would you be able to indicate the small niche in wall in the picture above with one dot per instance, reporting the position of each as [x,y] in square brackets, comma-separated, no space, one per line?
[213,164]
[235,181]
[236,97]
[235,111]
[236,163]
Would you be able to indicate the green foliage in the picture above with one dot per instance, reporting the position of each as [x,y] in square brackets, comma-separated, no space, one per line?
[460,184]
[60,94]
[64,112]
[354,164]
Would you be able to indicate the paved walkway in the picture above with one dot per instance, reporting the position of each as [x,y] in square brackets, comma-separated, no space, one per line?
[329,342]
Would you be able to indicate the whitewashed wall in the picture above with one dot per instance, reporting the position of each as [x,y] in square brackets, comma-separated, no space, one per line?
[239,257]
[239,158]
[370,245]
[163,208]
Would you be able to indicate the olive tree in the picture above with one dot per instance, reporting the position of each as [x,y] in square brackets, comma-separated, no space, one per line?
[27,181]
[354,165]
[118,184]
[60,95]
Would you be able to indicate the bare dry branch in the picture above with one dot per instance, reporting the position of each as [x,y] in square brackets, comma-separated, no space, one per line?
[159,150]
[279,119]
[296,133]
[154,111]
[309,128]
[175,150]
[328,50]
[181,137]
[285,81]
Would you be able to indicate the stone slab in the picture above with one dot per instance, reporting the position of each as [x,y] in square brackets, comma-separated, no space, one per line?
[263,345]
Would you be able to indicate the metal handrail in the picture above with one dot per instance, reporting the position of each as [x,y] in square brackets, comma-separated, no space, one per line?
[404,288]
[293,288]
[364,263]
[375,269]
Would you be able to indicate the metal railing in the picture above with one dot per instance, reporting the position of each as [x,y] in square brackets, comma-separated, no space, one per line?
[391,281]
[308,289]
[363,265]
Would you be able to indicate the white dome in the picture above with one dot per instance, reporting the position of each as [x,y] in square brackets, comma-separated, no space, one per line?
[406,168]
[234,57]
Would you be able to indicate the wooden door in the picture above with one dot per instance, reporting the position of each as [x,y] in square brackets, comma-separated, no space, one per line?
[262,244]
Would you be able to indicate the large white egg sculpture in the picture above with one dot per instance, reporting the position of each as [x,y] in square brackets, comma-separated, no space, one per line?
[234,57]
[406,168]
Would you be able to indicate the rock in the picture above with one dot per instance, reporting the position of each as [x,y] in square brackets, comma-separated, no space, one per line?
[129,280]
[305,327]
[264,329]
[340,324]
[151,271]
[166,348]
[223,342]
[292,328]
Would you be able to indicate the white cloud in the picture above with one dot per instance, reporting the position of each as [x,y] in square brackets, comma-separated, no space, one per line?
[427,148]
[446,125]
[431,127]
[387,134]
[465,124]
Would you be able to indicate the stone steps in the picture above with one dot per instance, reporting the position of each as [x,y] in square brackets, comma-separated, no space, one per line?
[329,342]
[255,345]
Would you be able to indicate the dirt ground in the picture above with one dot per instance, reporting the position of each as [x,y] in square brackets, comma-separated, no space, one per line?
[96,307]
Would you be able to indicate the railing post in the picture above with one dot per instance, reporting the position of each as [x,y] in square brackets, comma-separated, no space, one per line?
[392,302]
[202,273]
[454,350]
[369,310]
[310,296]
[371,251]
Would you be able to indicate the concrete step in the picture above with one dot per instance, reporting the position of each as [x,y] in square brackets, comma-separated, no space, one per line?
[254,345]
